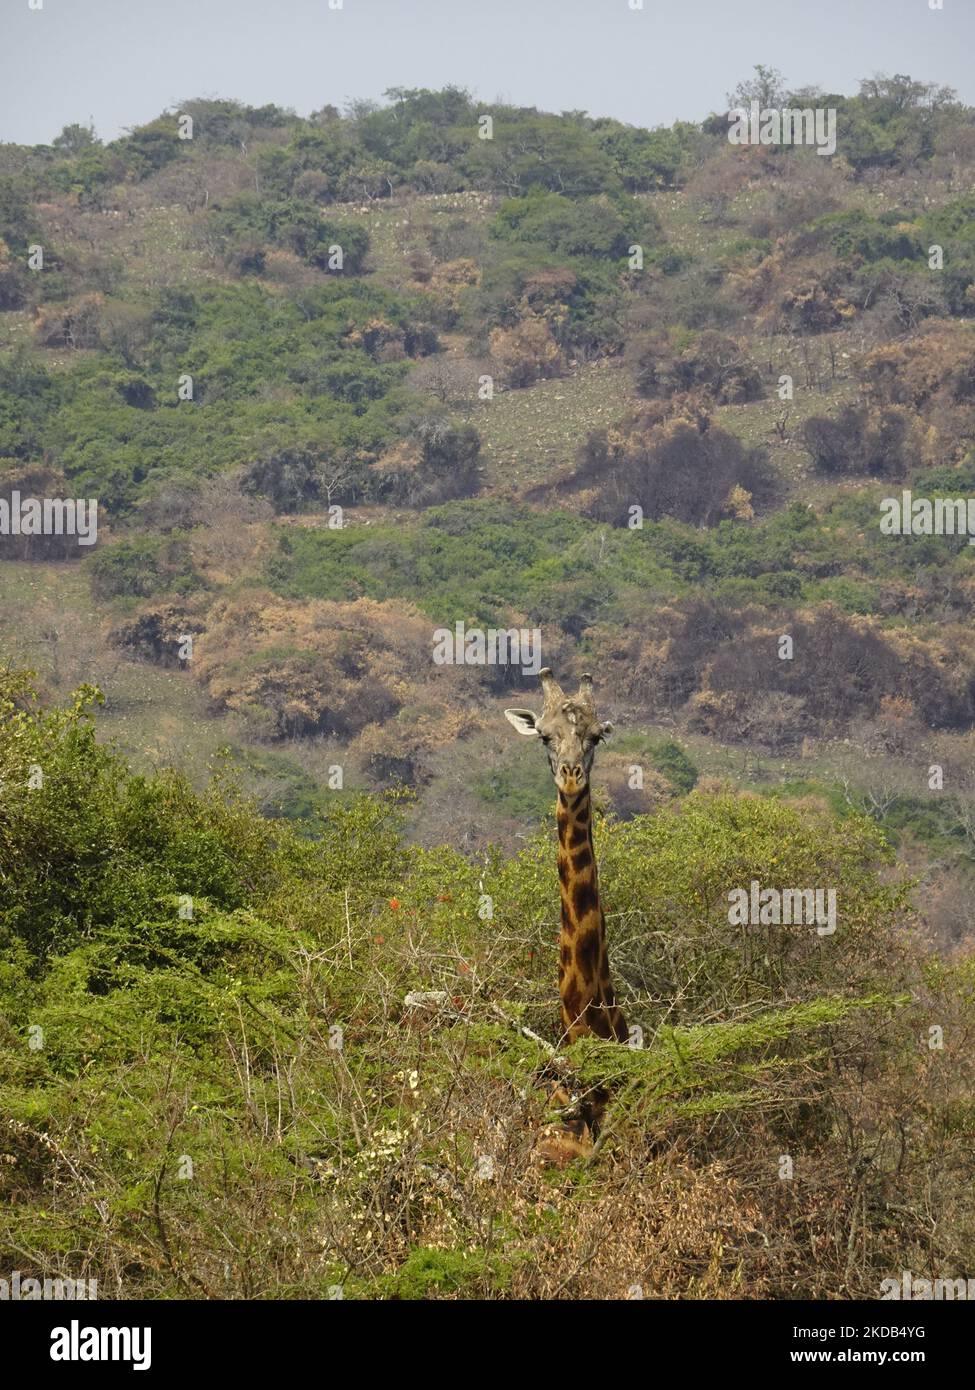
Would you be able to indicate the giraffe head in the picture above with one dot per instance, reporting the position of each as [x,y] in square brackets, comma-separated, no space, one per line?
[568,727]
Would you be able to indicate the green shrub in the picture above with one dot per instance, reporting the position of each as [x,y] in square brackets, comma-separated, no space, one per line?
[143,567]
[296,225]
[586,227]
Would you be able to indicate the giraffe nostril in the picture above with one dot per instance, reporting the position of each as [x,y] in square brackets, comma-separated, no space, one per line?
[577,771]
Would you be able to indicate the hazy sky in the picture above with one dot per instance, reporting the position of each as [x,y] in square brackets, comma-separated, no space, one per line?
[121,62]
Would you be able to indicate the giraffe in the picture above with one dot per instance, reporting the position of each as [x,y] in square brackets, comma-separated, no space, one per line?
[570,730]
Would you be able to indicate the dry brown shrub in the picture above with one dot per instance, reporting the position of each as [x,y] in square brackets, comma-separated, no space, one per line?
[792,293]
[932,374]
[882,441]
[39,480]
[714,364]
[158,631]
[446,286]
[382,341]
[804,188]
[669,464]
[322,668]
[230,534]
[76,324]
[400,751]
[439,462]
[284,268]
[452,380]
[547,292]
[526,353]
[717,184]
[718,668]
[842,668]
[627,801]
[658,1229]
[305,668]
[13,280]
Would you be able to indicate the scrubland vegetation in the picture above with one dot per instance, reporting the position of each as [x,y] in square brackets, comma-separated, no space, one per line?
[257,1038]
[316,1074]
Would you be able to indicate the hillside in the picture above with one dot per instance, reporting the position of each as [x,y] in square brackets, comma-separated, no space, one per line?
[340,382]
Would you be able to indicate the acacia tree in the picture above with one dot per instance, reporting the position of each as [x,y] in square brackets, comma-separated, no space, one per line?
[75,138]
[767,87]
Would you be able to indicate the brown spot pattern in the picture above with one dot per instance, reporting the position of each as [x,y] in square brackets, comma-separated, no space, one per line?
[587,997]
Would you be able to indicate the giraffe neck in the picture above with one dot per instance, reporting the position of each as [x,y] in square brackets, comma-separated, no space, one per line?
[588,1001]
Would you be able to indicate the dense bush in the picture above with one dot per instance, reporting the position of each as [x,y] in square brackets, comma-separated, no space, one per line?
[451,452]
[290,478]
[29,395]
[721,666]
[294,224]
[593,227]
[182,977]
[885,443]
[681,467]
[712,361]
[142,567]
[526,353]
[271,376]
[294,670]
[933,375]
[39,481]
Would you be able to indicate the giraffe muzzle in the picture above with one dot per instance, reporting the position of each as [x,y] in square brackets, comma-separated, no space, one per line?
[570,779]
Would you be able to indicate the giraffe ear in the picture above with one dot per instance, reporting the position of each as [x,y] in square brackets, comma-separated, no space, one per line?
[523,720]
[603,731]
